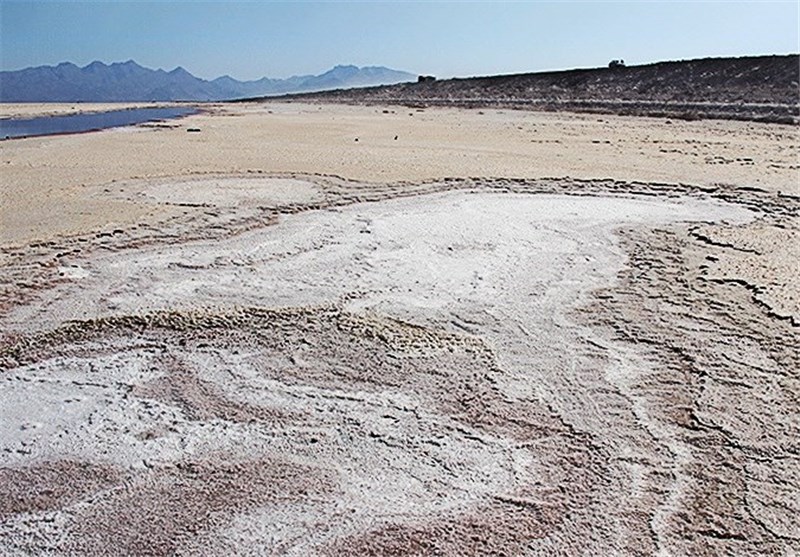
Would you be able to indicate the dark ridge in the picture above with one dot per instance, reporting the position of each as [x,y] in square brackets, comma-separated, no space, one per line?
[757,88]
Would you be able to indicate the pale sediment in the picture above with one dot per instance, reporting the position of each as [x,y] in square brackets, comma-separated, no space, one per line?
[269,338]
[464,370]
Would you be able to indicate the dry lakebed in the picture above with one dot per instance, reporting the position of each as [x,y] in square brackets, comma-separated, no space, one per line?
[467,333]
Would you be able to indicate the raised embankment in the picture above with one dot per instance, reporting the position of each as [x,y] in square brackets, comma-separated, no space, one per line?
[760,88]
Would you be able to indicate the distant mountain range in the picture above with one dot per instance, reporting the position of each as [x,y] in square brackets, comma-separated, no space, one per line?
[128,81]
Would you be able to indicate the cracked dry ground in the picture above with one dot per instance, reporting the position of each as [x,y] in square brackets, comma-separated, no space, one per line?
[480,367]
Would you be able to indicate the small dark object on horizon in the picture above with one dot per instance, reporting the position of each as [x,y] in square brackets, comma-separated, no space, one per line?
[616,64]
[426,79]
[395,138]
[192,129]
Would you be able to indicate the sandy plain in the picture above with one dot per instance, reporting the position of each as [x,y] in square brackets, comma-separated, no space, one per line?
[329,330]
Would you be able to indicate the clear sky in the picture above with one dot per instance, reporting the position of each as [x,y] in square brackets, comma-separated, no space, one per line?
[248,40]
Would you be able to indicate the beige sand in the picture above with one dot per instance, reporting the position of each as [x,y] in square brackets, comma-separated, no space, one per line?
[49,184]
[217,347]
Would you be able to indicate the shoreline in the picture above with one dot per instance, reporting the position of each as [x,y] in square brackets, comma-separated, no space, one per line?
[13,110]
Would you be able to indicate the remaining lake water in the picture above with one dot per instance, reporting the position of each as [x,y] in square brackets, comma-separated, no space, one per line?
[77,123]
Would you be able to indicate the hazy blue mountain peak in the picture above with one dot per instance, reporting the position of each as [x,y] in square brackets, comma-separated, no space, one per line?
[180,70]
[128,81]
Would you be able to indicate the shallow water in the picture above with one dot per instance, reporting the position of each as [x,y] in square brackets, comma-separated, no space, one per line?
[77,123]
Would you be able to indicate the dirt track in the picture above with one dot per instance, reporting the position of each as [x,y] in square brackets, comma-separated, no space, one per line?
[311,365]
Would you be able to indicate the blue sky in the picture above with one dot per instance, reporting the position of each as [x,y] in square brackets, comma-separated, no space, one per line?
[276,39]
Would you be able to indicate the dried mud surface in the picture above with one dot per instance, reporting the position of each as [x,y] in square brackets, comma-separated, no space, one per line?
[450,367]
